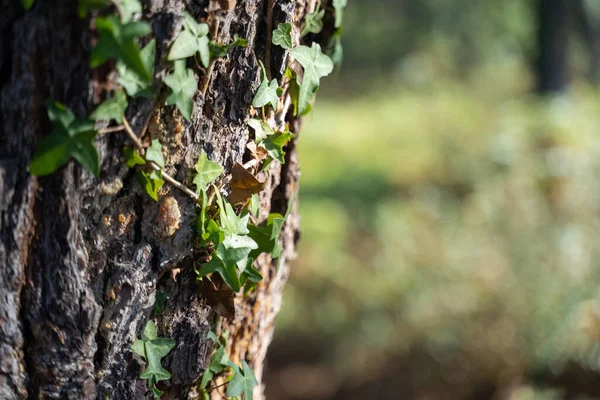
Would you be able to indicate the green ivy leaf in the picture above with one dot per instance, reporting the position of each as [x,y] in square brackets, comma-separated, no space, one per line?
[235,250]
[117,40]
[267,236]
[27,4]
[252,273]
[243,381]
[182,84]
[70,137]
[227,272]
[231,224]
[133,84]
[112,109]
[335,50]
[154,349]
[151,182]
[85,6]
[339,6]
[206,172]
[267,93]
[282,36]
[132,157]
[314,22]
[316,65]
[154,153]
[261,129]
[275,143]
[191,40]
[128,9]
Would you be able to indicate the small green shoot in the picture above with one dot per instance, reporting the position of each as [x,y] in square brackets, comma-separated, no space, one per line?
[134,85]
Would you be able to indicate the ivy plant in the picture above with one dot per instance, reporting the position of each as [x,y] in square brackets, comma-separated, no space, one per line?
[182,85]
[339,6]
[316,65]
[152,349]
[267,93]
[243,381]
[70,138]
[313,22]
[134,85]
[112,109]
[117,41]
[282,36]
[206,172]
[192,39]
[220,50]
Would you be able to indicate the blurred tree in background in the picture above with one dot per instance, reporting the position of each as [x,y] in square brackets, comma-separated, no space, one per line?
[450,215]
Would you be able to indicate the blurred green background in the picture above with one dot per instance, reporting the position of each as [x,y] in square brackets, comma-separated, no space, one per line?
[450,206]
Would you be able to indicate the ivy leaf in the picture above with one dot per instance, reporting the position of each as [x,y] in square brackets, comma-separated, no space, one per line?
[316,65]
[220,50]
[117,40]
[335,50]
[85,6]
[261,129]
[27,4]
[282,36]
[151,182]
[182,84]
[252,274]
[191,40]
[243,381]
[339,6]
[131,81]
[154,349]
[70,137]
[112,109]
[132,157]
[128,9]
[154,153]
[275,143]
[235,250]
[227,272]
[267,92]
[314,22]
[206,172]
[231,223]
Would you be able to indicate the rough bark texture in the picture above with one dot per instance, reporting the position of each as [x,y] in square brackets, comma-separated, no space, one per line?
[82,258]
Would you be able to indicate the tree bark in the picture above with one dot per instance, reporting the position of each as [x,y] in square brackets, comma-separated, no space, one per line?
[553,45]
[82,258]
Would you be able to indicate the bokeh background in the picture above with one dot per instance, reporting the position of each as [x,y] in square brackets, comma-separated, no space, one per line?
[450,201]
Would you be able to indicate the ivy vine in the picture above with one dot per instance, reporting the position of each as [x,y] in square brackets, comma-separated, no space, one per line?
[225,225]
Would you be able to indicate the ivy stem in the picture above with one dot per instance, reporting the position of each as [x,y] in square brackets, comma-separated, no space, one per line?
[216,387]
[157,167]
[132,135]
[117,128]
[211,65]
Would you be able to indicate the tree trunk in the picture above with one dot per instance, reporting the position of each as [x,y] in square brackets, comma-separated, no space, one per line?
[553,45]
[82,258]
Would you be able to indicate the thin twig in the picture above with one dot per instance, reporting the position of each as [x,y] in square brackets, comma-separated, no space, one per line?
[117,128]
[132,135]
[211,65]
[216,387]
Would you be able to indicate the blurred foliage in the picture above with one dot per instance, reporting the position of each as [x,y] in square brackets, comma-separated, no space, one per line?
[450,218]
[451,222]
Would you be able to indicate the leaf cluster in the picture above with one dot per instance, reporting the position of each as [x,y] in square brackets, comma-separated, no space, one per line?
[152,349]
